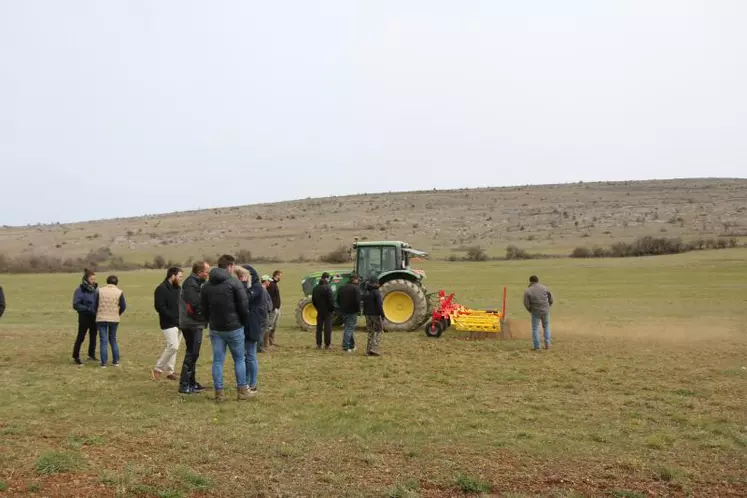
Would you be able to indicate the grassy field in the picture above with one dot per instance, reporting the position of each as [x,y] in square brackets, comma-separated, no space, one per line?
[644,392]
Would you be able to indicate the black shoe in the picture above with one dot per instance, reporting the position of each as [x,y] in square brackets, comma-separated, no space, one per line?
[78,362]
[197,388]
[188,390]
[318,346]
[92,358]
[371,353]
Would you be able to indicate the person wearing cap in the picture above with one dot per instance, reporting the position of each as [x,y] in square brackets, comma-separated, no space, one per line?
[324,302]
[349,299]
[267,324]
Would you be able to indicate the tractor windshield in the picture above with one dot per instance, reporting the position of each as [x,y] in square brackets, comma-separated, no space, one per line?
[375,260]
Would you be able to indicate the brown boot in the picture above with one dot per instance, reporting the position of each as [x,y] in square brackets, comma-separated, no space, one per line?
[220,396]
[243,394]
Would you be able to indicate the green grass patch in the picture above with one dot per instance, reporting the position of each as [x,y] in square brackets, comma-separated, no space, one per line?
[58,462]
[471,485]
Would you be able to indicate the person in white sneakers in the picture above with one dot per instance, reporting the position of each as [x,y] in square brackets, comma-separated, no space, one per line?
[166,302]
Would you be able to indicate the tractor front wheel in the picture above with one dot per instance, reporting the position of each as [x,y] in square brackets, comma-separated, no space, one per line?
[405,305]
[306,315]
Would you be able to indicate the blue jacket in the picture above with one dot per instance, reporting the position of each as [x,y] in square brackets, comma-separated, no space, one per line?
[84,300]
[257,307]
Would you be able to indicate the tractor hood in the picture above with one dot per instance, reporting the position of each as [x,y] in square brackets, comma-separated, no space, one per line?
[337,278]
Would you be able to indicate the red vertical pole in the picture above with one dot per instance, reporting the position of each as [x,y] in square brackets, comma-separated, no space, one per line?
[503,312]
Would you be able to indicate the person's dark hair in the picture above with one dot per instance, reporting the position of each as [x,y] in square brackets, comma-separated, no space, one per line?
[276,273]
[225,261]
[112,280]
[533,279]
[174,270]
[87,273]
[198,267]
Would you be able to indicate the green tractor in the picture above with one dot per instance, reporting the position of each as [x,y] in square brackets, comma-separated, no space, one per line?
[405,299]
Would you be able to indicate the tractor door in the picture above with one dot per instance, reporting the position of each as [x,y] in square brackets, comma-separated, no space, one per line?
[375,260]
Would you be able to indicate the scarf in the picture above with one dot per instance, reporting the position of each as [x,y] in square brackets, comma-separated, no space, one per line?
[87,287]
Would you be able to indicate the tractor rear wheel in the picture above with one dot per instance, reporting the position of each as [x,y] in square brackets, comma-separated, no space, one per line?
[405,305]
[306,315]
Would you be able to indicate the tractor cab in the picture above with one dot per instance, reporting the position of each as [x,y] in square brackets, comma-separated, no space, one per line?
[380,258]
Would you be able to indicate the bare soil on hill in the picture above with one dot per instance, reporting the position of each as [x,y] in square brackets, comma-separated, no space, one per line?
[551,218]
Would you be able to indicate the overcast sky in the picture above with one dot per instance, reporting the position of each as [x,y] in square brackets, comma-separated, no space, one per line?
[122,108]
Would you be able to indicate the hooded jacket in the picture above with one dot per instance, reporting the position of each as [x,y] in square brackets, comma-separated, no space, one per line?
[257,310]
[349,299]
[224,302]
[373,304]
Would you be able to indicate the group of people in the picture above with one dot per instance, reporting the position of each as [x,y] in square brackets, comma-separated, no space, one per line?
[351,302]
[99,311]
[242,315]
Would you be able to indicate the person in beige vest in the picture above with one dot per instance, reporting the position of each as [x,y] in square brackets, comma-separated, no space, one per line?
[110,304]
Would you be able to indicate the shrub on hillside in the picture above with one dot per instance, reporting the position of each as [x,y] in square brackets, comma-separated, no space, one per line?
[515,252]
[338,256]
[650,246]
[476,253]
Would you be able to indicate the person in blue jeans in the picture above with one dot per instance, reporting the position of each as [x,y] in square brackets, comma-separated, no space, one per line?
[537,301]
[349,301]
[110,304]
[225,307]
[253,329]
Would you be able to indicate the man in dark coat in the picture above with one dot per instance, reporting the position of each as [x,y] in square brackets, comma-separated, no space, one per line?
[84,302]
[373,308]
[226,308]
[2,301]
[192,324]
[324,302]
[166,302]
[349,299]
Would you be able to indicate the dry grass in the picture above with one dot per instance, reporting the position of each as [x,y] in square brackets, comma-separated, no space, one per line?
[540,219]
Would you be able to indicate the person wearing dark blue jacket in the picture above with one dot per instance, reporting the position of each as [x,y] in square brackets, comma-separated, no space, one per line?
[257,316]
[84,302]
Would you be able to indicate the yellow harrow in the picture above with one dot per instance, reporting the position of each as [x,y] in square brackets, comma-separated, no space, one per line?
[479,324]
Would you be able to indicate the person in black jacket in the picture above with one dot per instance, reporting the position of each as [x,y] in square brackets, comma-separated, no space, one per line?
[166,302]
[349,299]
[324,302]
[2,301]
[274,316]
[84,302]
[192,323]
[373,308]
[254,325]
[226,308]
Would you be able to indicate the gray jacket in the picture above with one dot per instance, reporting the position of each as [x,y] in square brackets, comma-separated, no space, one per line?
[537,299]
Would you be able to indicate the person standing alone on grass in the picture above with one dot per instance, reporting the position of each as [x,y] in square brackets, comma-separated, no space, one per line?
[373,308]
[110,304]
[349,299]
[270,309]
[84,302]
[537,301]
[274,291]
[166,302]
[226,309]
[324,302]
[192,323]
